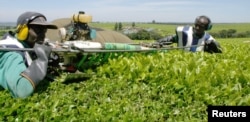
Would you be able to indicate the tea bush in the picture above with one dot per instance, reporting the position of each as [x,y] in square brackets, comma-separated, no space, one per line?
[172,86]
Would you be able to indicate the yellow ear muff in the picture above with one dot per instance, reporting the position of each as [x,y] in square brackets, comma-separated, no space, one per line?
[22,32]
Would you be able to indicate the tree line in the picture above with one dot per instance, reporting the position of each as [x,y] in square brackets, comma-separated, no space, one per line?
[5,29]
[230,33]
[144,34]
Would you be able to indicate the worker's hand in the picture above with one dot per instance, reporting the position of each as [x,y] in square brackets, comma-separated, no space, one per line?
[38,68]
[42,51]
[165,41]
[213,47]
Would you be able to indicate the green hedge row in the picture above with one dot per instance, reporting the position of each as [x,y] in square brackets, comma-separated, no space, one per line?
[172,86]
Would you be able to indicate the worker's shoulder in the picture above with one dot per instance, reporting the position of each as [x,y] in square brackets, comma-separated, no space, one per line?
[183,28]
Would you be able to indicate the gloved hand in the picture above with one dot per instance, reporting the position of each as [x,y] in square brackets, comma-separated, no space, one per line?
[38,68]
[212,47]
[42,51]
[166,41]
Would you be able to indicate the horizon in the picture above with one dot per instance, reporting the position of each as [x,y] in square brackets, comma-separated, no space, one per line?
[13,24]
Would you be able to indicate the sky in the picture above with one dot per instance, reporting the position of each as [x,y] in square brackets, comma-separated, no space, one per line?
[219,11]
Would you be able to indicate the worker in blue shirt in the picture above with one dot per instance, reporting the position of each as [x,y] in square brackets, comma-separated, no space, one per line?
[194,38]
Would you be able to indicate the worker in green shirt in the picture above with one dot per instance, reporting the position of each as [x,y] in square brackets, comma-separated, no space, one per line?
[21,71]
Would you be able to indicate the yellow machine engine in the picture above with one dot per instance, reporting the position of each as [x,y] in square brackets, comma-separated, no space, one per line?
[79,29]
[82,17]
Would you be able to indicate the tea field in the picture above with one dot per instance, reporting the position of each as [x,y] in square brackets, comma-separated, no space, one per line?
[163,86]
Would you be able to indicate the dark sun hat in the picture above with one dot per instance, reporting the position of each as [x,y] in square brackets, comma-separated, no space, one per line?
[35,19]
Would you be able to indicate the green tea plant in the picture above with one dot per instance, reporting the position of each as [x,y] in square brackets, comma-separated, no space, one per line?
[162,86]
